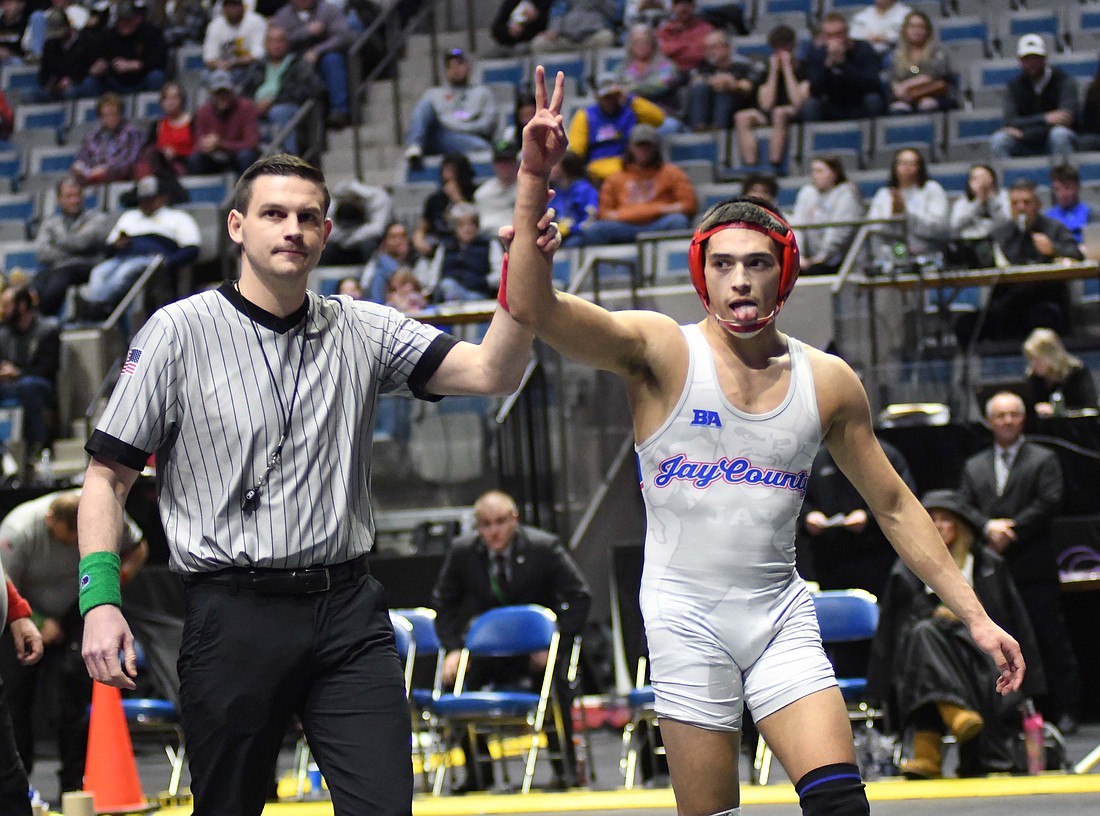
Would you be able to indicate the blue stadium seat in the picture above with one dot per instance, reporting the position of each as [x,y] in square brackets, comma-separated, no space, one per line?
[188,60]
[17,81]
[574,65]
[671,262]
[754,46]
[795,13]
[608,59]
[988,79]
[22,255]
[1082,30]
[849,140]
[16,207]
[428,172]
[969,131]
[211,189]
[1035,168]
[1015,24]
[1081,67]
[788,191]
[10,164]
[1088,165]
[146,106]
[710,194]
[869,181]
[49,159]
[952,176]
[967,38]
[507,71]
[684,147]
[40,123]
[17,213]
[921,131]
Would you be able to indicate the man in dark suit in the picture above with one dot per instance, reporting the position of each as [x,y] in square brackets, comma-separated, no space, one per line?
[502,564]
[1018,486]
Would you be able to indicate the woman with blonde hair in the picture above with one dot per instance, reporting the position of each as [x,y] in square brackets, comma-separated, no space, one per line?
[920,74]
[1051,370]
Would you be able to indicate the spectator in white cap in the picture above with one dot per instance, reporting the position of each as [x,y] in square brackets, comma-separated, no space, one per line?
[1040,107]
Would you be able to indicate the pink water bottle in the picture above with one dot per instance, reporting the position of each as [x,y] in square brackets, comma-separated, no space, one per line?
[1033,738]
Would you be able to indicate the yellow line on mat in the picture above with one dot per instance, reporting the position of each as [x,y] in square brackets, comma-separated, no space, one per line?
[579,801]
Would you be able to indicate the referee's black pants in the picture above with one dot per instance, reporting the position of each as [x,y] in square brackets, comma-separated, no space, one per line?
[250,661]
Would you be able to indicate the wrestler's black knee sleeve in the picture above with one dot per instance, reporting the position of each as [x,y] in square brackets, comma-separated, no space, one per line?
[833,790]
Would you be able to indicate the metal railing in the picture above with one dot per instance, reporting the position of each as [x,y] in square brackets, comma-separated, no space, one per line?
[394,31]
[135,291]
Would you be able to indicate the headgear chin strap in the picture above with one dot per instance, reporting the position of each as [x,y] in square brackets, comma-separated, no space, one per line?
[788,270]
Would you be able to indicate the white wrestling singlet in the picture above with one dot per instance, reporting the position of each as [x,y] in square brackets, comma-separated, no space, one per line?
[728,620]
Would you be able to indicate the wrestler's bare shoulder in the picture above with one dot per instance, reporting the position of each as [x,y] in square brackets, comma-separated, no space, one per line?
[836,383]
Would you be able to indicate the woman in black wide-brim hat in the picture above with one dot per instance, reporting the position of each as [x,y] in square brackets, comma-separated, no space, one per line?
[927,669]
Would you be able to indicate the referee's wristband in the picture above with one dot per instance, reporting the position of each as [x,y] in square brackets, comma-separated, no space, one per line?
[100,584]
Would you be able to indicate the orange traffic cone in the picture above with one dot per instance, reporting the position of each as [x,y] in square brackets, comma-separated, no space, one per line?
[110,771]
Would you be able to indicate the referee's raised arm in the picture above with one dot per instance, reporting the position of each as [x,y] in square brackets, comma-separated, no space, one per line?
[100,520]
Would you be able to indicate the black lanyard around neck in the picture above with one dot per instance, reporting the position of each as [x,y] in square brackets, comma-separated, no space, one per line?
[251,499]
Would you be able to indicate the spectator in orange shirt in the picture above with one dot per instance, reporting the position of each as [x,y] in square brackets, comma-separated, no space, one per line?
[647,195]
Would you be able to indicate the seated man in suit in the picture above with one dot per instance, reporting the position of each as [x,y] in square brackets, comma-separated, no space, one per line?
[502,564]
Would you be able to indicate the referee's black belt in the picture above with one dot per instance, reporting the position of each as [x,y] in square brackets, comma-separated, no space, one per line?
[285,582]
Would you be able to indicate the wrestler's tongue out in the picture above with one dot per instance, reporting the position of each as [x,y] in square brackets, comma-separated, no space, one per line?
[744,312]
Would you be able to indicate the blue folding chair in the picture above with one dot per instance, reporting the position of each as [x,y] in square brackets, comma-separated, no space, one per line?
[844,616]
[426,642]
[506,631]
[848,616]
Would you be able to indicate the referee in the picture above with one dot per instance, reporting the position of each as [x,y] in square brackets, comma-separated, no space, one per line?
[258,400]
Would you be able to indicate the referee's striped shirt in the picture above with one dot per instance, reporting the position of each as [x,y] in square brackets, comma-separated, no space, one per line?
[197,390]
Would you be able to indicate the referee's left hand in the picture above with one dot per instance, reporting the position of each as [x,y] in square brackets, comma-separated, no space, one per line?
[106,633]
[549,240]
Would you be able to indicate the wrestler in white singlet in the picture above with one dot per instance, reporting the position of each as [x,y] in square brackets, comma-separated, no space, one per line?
[728,620]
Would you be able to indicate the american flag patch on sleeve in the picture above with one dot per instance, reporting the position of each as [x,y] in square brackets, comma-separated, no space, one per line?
[131,364]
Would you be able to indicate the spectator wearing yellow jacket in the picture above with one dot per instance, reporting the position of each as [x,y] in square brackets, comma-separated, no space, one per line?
[599,132]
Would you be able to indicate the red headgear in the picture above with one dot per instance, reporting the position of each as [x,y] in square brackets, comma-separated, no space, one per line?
[789,266]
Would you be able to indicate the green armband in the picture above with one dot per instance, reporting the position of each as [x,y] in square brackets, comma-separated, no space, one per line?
[100,580]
